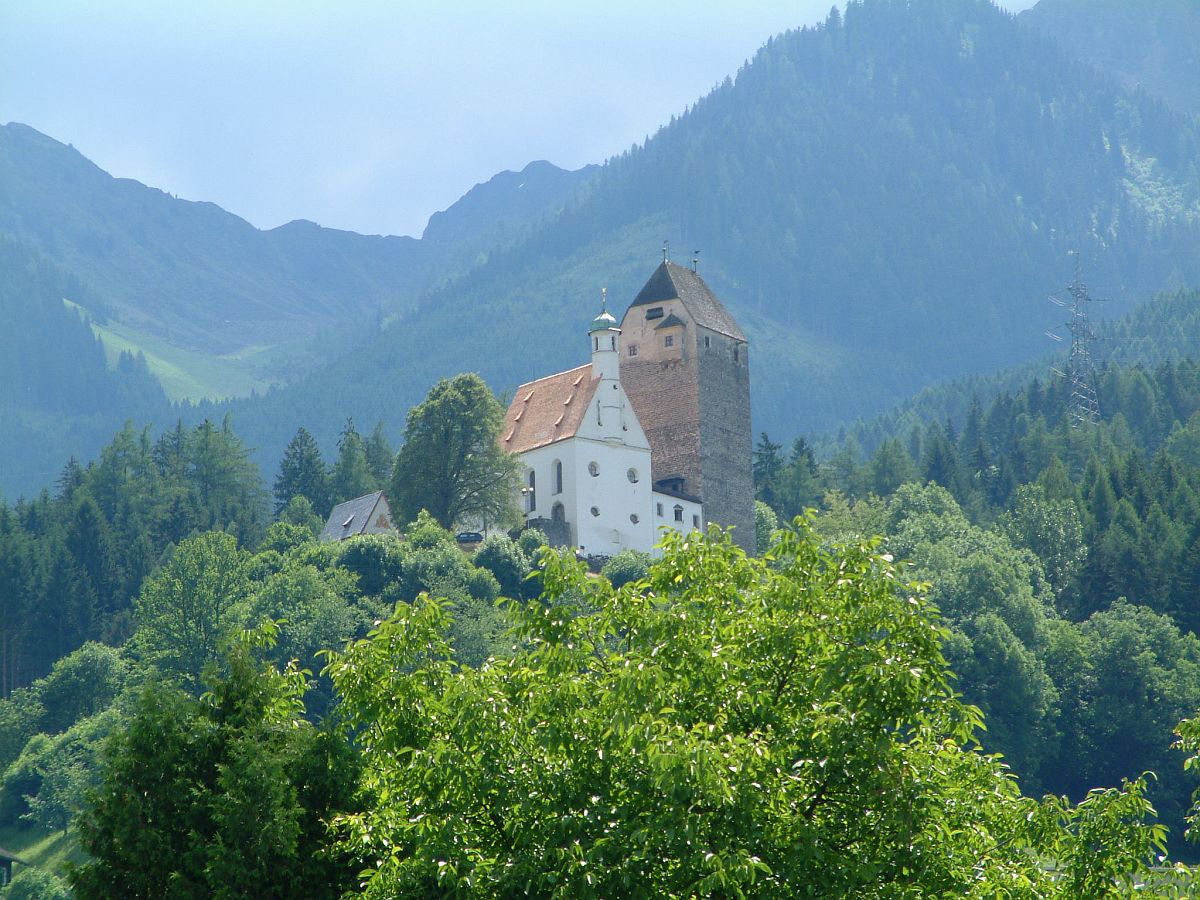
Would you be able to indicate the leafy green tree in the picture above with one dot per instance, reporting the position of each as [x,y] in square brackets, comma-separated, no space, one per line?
[191,605]
[627,566]
[507,562]
[224,796]
[765,522]
[302,473]
[1050,528]
[731,727]
[301,512]
[451,463]
[81,684]
[36,884]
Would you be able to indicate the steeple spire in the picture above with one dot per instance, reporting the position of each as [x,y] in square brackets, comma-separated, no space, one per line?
[604,332]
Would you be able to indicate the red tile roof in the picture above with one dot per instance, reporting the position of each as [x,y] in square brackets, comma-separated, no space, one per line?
[548,410]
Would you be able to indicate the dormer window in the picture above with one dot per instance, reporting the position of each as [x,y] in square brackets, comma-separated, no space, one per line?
[678,513]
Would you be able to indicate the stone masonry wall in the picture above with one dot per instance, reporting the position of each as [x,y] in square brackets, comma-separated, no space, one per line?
[663,384]
[726,440]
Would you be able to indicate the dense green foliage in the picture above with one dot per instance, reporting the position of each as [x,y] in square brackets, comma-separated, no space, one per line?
[221,797]
[127,552]
[451,464]
[71,564]
[1064,560]
[729,727]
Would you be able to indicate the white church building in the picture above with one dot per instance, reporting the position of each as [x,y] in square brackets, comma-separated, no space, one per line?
[588,477]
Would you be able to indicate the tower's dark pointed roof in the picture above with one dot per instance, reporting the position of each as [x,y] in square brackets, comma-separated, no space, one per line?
[670,281]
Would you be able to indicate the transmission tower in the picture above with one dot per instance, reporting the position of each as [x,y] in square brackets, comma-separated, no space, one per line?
[1081,371]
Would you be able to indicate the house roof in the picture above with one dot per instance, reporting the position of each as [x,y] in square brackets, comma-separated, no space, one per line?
[351,517]
[670,282]
[12,857]
[669,322]
[548,410]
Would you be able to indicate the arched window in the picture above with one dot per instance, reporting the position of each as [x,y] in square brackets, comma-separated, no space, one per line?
[558,476]
[531,492]
[558,513]
[678,513]
[593,469]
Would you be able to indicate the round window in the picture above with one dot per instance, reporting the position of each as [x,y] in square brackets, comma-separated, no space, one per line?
[632,475]
[633,517]
[595,510]
[593,469]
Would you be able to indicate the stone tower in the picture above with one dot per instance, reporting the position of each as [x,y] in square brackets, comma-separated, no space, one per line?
[685,367]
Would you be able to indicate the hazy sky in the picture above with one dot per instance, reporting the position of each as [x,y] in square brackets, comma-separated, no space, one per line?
[367,116]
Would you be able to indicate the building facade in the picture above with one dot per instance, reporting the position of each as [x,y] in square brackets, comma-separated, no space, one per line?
[686,368]
[618,449]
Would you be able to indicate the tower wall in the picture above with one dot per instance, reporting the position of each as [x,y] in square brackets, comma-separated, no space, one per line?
[663,384]
[725,438]
[685,366]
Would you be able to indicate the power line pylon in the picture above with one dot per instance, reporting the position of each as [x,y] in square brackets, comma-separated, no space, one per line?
[1081,371]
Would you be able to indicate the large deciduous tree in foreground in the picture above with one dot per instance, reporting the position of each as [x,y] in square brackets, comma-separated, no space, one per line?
[451,463]
[727,727]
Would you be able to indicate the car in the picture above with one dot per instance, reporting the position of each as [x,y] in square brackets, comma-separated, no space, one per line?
[469,537]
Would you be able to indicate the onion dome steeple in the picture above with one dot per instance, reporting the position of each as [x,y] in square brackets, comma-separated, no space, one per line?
[604,332]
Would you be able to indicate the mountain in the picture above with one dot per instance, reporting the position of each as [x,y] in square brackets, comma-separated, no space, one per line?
[59,395]
[1155,46]
[508,202]
[191,273]
[883,202]
[191,297]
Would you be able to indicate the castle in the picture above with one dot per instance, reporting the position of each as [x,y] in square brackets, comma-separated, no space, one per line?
[654,432]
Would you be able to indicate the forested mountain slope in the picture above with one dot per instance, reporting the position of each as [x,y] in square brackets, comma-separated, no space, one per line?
[191,272]
[883,202]
[58,395]
[1152,45]
[1163,330]
[218,307]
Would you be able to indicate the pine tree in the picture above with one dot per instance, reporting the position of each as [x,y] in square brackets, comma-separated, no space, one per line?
[302,473]
[352,475]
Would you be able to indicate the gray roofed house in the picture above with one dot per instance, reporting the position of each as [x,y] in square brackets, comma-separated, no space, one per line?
[6,865]
[671,281]
[369,514]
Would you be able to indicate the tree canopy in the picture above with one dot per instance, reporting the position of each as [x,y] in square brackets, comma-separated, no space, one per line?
[729,726]
[451,463]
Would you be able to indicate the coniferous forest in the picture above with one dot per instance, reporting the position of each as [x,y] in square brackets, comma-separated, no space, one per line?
[963,661]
